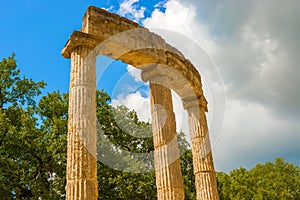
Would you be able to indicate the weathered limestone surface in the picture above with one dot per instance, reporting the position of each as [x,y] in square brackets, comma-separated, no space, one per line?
[166,68]
[205,178]
[81,156]
[166,154]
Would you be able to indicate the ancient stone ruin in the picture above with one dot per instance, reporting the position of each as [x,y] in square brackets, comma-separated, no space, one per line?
[166,69]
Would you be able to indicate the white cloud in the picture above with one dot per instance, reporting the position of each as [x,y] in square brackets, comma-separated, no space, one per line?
[256,42]
[135,73]
[255,48]
[193,39]
[251,135]
[160,4]
[181,19]
[132,11]
[110,8]
[141,104]
[181,116]
[134,101]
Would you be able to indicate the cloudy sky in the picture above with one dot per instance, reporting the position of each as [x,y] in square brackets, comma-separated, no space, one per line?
[255,47]
[246,51]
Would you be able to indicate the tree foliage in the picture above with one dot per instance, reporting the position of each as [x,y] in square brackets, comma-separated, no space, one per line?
[15,90]
[121,128]
[33,151]
[276,180]
[22,156]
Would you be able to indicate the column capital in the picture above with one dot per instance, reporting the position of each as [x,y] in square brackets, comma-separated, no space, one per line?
[80,39]
[199,101]
[157,70]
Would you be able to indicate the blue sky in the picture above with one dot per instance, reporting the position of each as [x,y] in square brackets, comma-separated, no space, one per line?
[253,47]
[37,31]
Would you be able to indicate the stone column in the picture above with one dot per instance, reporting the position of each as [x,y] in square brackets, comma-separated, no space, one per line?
[205,177]
[166,154]
[81,156]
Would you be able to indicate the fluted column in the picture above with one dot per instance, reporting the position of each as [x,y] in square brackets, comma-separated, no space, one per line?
[81,155]
[205,177]
[166,154]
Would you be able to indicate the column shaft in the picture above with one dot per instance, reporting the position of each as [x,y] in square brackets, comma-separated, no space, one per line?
[205,178]
[81,155]
[166,154]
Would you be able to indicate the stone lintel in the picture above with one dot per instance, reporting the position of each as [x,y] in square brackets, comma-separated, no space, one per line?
[172,80]
[99,21]
[155,70]
[109,17]
[77,39]
[162,70]
[189,102]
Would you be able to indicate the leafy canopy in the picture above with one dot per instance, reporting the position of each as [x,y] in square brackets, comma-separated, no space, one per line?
[33,151]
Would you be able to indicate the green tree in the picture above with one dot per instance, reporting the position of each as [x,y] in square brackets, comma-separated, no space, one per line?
[32,155]
[223,181]
[53,111]
[33,151]
[33,143]
[16,91]
[276,180]
[113,184]
[186,160]
[122,130]
[22,172]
